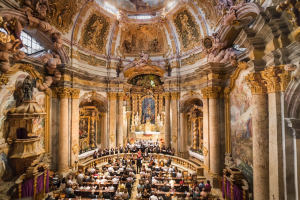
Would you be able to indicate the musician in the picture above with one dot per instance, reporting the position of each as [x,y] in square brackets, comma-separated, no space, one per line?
[116,150]
[112,151]
[121,149]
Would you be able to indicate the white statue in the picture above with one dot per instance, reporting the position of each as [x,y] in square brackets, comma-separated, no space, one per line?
[142,61]
[137,119]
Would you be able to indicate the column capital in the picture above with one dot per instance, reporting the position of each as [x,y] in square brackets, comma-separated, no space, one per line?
[121,95]
[112,95]
[211,92]
[256,83]
[175,95]
[271,76]
[167,95]
[75,93]
[63,92]
[134,96]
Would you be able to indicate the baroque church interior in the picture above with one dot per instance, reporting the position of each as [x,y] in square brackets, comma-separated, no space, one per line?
[150,99]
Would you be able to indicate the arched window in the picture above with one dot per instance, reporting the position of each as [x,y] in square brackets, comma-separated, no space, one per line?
[33,46]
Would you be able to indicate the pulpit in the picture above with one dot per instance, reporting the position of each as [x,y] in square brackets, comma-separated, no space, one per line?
[26,141]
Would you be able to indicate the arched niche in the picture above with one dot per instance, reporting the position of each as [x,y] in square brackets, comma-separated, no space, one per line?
[92,115]
[192,122]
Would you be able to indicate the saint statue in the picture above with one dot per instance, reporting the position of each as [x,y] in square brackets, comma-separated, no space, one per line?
[142,61]
[27,88]
[137,119]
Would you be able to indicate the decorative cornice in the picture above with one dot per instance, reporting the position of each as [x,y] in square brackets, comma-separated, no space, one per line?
[270,75]
[121,95]
[112,95]
[256,83]
[175,95]
[285,79]
[63,92]
[75,93]
[211,92]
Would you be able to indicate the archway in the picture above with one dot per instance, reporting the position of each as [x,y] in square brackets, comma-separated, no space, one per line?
[92,121]
[192,125]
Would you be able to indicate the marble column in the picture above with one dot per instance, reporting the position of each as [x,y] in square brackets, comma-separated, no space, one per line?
[275,87]
[63,152]
[213,93]
[294,125]
[103,130]
[183,135]
[120,134]
[260,126]
[112,97]
[75,126]
[206,152]
[175,129]
[167,119]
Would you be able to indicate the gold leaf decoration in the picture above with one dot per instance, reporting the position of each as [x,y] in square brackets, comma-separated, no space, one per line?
[95,32]
[187,29]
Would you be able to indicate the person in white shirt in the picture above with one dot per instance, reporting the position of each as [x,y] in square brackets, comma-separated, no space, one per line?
[118,193]
[139,195]
[170,170]
[179,174]
[81,188]
[98,180]
[142,174]
[154,180]
[80,178]
[153,197]
[88,188]
[115,180]
[111,188]
[103,181]
[110,168]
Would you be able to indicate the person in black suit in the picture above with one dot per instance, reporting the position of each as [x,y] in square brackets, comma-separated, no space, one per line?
[165,188]
[92,196]
[106,195]
[138,164]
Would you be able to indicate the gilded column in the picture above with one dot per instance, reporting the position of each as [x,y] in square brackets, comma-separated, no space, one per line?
[167,119]
[195,131]
[63,153]
[260,136]
[120,134]
[75,126]
[276,79]
[175,97]
[213,93]
[112,97]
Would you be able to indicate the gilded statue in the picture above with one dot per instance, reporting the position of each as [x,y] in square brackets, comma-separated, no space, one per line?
[27,87]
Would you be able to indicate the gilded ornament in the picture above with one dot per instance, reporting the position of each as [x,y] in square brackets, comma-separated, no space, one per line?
[92,60]
[256,83]
[3,80]
[62,13]
[174,138]
[285,79]
[211,92]
[75,148]
[175,95]
[167,95]
[175,64]
[95,32]
[192,59]
[63,92]
[75,93]
[271,76]
[187,29]
[205,151]
[112,137]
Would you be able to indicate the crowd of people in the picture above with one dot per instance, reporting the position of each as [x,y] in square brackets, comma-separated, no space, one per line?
[155,179]
[143,147]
